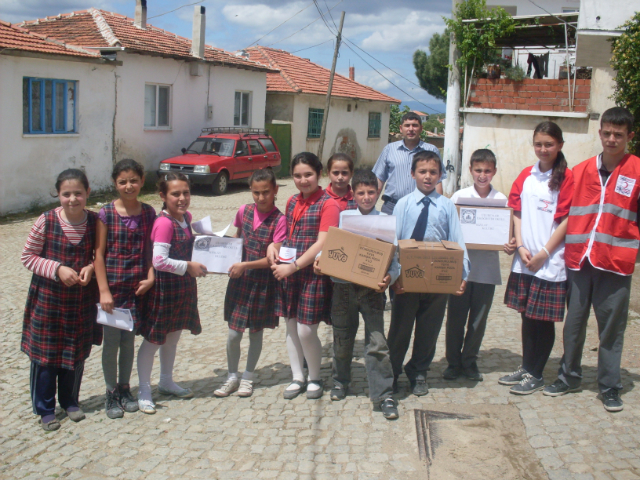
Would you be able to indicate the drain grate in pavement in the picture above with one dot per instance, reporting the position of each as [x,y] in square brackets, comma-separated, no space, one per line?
[427,431]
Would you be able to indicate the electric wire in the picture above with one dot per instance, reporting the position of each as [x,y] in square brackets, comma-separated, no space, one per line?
[270,31]
[176,9]
[313,46]
[298,31]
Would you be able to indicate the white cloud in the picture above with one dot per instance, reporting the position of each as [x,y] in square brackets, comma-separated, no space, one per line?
[414,30]
[18,10]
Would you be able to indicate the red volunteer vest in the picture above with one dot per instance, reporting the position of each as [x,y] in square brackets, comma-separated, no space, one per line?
[603,220]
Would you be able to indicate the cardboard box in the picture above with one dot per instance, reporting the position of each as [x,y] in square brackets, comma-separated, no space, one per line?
[355,258]
[431,267]
[489,228]
[217,253]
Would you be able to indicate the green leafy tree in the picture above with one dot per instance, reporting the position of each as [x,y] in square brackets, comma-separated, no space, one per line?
[431,69]
[395,118]
[431,125]
[624,60]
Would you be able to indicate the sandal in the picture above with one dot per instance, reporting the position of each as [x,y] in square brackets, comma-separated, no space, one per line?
[147,406]
[291,394]
[317,393]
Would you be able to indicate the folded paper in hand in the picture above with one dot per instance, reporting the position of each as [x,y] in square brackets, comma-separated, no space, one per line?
[204,227]
[120,318]
[378,227]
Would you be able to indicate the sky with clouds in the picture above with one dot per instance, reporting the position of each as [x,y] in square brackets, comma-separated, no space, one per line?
[388,31]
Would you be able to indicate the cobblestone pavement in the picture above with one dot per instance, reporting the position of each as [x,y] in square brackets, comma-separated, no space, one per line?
[570,437]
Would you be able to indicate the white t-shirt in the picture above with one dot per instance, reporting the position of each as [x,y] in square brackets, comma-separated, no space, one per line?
[485,264]
[541,211]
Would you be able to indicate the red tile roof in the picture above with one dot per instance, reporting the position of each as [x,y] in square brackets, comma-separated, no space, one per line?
[15,38]
[299,75]
[101,29]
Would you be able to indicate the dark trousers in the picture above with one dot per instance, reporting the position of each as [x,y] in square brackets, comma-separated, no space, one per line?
[609,295]
[349,301]
[469,310]
[43,387]
[426,310]
[538,337]
[387,207]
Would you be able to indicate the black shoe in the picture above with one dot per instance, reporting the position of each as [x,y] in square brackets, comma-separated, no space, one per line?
[472,373]
[513,378]
[128,402]
[291,394]
[389,408]
[557,389]
[419,386]
[112,405]
[612,401]
[451,373]
[317,393]
[395,385]
[528,385]
[338,392]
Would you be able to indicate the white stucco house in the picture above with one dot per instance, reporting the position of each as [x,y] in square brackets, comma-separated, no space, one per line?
[358,121]
[139,92]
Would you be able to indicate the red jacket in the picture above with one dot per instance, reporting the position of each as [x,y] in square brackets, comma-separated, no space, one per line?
[603,219]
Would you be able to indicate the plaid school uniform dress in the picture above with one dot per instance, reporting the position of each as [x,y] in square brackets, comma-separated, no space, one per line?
[304,295]
[538,299]
[59,324]
[351,204]
[126,258]
[250,299]
[173,303]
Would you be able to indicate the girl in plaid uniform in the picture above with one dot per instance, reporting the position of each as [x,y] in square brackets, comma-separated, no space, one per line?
[251,290]
[60,315]
[124,274]
[340,170]
[173,303]
[541,198]
[305,298]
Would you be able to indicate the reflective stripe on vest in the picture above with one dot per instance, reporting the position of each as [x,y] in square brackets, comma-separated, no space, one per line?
[606,208]
[604,238]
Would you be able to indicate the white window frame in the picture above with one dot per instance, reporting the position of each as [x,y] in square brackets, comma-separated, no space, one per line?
[155,125]
[250,102]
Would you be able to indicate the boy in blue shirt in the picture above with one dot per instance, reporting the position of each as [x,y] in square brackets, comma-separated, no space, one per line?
[351,300]
[423,215]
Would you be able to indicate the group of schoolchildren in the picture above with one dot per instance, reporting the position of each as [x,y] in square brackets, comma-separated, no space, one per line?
[576,237]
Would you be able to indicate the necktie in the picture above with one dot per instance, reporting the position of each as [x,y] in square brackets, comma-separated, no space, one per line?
[421,225]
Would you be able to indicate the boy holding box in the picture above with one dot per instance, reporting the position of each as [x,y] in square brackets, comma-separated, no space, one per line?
[349,300]
[423,215]
[472,308]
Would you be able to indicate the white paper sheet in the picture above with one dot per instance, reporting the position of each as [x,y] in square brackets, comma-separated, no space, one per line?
[120,318]
[204,227]
[217,253]
[482,202]
[485,226]
[379,227]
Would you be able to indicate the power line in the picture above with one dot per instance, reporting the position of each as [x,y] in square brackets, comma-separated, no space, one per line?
[281,24]
[176,9]
[554,16]
[307,48]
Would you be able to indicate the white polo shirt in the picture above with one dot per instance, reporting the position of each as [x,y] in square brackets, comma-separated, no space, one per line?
[485,264]
[541,212]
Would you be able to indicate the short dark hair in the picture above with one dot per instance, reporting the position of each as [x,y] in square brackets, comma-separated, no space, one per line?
[425,155]
[72,174]
[411,116]
[307,158]
[262,175]
[364,176]
[340,157]
[483,155]
[126,165]
[618,116]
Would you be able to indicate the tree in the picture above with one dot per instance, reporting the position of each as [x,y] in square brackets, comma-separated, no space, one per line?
[395,118]
[431,69]
[431,125]
[624,60]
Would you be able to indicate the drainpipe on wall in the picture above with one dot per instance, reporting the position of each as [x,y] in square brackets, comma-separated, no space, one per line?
[140,19]
[197,39]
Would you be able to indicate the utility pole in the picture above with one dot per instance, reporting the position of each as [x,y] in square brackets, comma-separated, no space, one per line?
[451,153]
[327,104]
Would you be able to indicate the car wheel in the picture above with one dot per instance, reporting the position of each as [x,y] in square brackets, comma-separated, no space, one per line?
[221,183]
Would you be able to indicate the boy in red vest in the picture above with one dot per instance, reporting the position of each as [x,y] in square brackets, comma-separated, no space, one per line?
[600,252]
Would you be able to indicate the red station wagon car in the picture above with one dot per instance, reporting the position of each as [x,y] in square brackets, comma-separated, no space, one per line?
[220,156]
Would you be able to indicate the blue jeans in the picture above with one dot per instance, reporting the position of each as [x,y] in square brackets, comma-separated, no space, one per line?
[349,300]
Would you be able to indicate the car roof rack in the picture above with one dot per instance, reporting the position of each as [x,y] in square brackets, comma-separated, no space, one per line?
[245,130]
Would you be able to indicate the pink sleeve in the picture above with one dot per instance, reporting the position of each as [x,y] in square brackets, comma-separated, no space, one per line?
[33,249]
[237,222]
[102,215]
[162,231]
[281,230]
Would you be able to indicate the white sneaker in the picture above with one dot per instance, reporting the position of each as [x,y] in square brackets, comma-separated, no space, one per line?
[147,406]
[246,388]
[230,386]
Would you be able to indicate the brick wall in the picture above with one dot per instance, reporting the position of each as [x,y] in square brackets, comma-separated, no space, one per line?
[530,94]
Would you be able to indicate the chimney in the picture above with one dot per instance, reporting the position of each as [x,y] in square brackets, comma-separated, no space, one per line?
[140,20]
[197,39]
[352,73]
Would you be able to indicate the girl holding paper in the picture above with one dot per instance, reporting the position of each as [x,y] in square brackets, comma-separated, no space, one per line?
[305,298]
[60,315]
[249,302]
[124,274]
[173,304]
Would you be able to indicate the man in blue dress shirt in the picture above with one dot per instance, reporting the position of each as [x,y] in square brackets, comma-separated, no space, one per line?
[423,215]
[394,164]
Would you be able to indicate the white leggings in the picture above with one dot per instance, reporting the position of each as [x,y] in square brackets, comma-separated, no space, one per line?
[303,342]
[146,353]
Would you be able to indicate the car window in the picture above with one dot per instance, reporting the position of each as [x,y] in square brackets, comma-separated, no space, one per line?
[221,146]
[268,144]
[242,149]
[197,146]
[256,148]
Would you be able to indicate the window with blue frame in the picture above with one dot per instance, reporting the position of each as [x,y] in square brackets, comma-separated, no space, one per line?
[48,105]
[375,123]
[315,122]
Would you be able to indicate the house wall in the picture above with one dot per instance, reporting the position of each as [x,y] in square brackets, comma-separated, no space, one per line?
[29,164]
[188,104]
[510,136]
